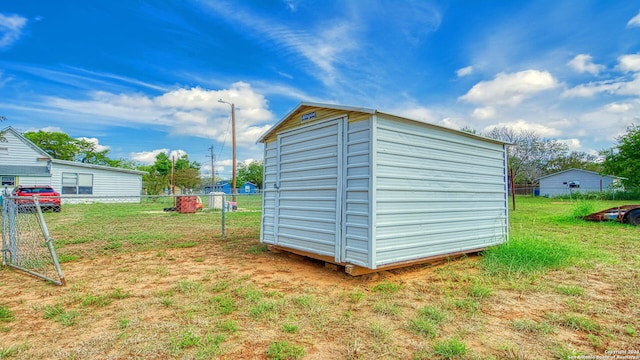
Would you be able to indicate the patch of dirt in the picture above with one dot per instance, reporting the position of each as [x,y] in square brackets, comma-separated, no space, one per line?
[151,277]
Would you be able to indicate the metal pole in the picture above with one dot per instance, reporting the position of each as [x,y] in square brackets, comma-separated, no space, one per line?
[224,206]
[213,171]
[513,189]
[233,145]
[49,241]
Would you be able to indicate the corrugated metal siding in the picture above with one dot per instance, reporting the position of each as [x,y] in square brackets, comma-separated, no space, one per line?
[267,232]
[356,219]
[105,182]
[436,192]
[308,176]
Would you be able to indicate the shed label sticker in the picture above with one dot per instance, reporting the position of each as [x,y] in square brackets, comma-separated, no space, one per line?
[309,116]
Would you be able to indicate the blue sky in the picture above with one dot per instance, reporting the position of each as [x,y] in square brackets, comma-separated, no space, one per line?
[140,77]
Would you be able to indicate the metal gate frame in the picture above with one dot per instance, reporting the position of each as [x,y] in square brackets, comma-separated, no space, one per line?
[16,210]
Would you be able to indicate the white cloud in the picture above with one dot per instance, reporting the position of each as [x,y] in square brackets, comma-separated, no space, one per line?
[629,63]
[464,71]
[634,22]
[573,144]
[617,107]
[95,142]
[451,123]
[319,48]
[584,63]
[523,125]
[4,79]
[615,87]
[419,113]
[149,157]
[510,88]
[483,113]
[191,112]
[45,129]
[10,29]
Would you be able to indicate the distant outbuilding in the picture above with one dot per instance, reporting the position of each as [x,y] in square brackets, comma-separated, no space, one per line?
[247,188]
[570,181]
[372,191]
[223,186]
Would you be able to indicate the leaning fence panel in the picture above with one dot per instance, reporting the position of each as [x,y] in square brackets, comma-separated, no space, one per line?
[26,243]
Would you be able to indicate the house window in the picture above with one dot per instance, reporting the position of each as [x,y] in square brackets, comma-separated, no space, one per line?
[73,183]
[8,180]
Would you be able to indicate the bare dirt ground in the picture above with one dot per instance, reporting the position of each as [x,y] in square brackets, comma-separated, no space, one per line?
[342,318]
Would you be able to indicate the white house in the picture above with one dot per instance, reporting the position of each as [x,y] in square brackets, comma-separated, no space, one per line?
[24,163]
[373,191]
[575,180]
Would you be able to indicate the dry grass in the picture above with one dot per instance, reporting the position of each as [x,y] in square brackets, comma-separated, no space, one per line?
[231,299]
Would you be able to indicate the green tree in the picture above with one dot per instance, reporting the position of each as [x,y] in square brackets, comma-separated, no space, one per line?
[623,160]
[187,178]
[57,144]
[530,156]
[61,146]
[153,181]
[163,164]
[185,173]
[252,172]
[574,160]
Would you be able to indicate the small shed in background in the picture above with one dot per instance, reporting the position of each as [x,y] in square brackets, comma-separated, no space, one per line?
[373,191]
[575,180]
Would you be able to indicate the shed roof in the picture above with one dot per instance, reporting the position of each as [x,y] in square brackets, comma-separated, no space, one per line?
[303,104]
[581,170]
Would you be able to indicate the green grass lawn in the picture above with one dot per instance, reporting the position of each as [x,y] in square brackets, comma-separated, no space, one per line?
[560,287]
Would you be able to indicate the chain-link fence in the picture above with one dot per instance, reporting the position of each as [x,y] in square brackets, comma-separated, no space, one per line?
[26,242]
[86,227]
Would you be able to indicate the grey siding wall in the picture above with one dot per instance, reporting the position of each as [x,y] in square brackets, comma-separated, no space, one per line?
[105,183]
[19,153]
[16,153]
[356,217]
[267,234]
[554,185]
[436,192]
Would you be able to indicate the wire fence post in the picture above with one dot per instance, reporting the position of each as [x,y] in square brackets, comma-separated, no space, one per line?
[49,240]
[224,209]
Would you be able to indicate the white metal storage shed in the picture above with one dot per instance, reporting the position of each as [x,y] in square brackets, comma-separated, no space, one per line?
[372,191]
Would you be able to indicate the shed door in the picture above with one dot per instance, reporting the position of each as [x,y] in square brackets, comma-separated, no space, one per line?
[308,199]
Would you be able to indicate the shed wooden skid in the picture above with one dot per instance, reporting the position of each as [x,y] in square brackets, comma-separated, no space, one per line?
[371,190]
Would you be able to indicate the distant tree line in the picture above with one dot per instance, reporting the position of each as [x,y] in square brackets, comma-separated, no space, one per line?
[165,171]
[532,156]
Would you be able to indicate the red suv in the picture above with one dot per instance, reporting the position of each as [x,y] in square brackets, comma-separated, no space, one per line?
[47,197]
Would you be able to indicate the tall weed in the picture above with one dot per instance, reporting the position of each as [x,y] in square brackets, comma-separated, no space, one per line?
[527,255]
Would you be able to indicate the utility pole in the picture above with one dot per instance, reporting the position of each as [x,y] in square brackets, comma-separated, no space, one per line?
[233,145]
[173,175]
[213,171]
